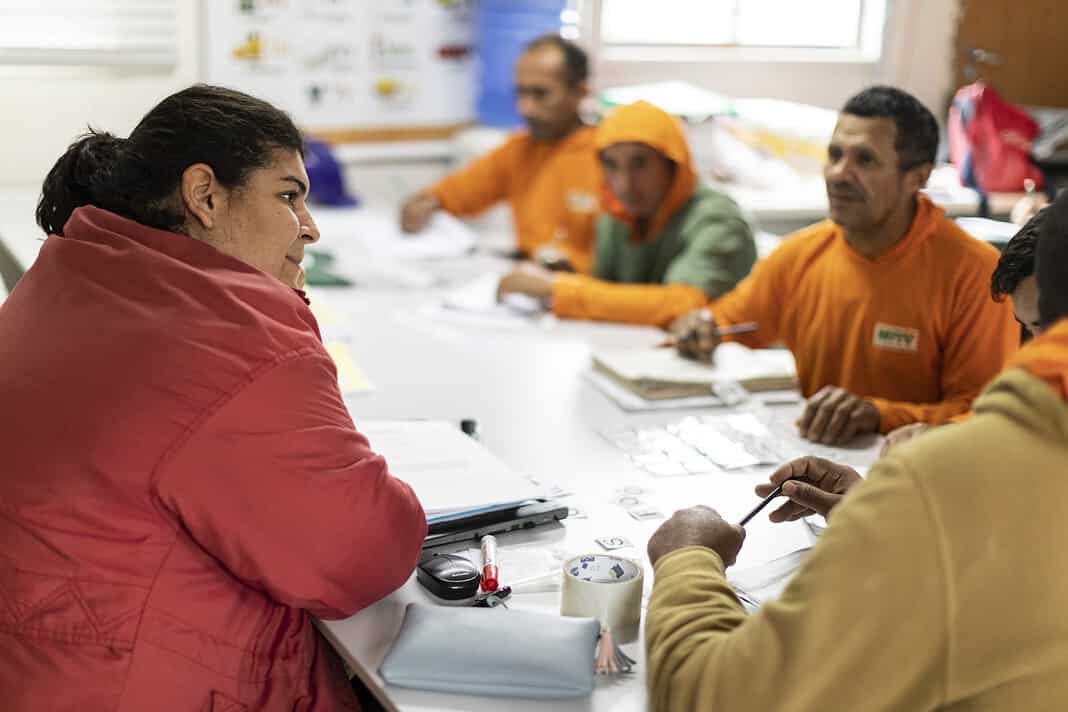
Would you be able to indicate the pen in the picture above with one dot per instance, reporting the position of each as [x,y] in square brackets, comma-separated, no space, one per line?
[763,503]
[744,328]
[490,569]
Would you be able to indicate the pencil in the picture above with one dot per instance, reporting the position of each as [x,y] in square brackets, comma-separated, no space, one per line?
[743,328]
[763,503]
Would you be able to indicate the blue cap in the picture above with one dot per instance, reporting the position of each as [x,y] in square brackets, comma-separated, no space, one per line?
[324,172]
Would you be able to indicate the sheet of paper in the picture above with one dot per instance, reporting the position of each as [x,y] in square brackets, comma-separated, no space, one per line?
[989,230]
[381,236]
[449,471]
[351,379]
[732,495]
[760,583]
[480,297]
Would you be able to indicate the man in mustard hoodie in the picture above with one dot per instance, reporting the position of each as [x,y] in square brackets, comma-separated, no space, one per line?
[663,237]
[939,584]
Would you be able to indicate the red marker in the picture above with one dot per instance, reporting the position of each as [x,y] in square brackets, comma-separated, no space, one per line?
[490,570]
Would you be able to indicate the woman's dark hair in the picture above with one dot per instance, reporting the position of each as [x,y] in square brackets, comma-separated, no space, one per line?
[138,177]
[1051,263]
[1017,261]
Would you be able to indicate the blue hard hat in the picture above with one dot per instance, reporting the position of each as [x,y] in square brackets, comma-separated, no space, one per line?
[324,172]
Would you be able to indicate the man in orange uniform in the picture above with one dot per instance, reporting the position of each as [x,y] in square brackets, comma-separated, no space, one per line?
[548,173]
[885,305]
[663,237]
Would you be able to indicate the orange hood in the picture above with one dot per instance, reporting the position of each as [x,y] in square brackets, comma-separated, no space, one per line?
[1047,357]
[641,122]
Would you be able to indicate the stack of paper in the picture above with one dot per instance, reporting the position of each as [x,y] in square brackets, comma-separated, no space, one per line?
[452,474]
[660,373]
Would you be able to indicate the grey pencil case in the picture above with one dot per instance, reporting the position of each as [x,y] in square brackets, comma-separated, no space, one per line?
[493,651]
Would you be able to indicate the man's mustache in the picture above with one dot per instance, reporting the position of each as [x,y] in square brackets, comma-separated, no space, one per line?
[844,190]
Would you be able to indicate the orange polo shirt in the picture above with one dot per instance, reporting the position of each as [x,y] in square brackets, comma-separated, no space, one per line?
[552,187]
[914,330]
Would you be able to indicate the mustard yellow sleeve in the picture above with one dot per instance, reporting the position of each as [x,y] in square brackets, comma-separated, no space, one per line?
[864,625]
[981,337]
[479,185]
[581,297]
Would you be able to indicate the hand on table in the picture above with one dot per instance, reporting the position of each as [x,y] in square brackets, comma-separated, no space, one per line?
[697,526]
[816,486]
[834,416]
[529,279]
[417,210]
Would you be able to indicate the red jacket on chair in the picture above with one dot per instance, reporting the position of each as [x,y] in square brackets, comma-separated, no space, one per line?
[181,486]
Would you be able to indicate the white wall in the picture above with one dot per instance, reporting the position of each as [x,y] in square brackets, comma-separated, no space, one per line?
[44,109]
[917,55]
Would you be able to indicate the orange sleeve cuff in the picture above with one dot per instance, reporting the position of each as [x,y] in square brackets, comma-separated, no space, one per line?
[894,414]
[580,297]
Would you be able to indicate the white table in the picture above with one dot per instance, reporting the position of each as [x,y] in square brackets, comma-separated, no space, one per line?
[534,410]
[18,229]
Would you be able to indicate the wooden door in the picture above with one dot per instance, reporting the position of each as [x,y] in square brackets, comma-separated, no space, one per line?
[1029,40]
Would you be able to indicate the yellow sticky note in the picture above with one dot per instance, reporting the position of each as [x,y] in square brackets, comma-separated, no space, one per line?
[324,312]
[350,377]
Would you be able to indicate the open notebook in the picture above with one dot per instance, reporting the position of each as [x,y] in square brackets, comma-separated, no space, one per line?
[660,373]
[452,474]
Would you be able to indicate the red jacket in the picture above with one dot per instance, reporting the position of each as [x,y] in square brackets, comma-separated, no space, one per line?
[181,485]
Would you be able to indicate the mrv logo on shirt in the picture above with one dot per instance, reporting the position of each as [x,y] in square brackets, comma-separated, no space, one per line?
[898,338]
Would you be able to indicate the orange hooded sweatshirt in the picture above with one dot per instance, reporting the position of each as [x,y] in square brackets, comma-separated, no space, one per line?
[696,246]
[914,330]
[1046,357]
[551,186]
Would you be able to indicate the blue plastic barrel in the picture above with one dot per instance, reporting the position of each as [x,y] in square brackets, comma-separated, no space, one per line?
[504,28]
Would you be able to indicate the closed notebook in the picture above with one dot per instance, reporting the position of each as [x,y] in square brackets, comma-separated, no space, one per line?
[493,651]
[660,373]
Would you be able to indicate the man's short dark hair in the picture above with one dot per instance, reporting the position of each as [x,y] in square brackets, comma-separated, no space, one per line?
[1017,261]
[917,131]
[1051,263]
[576,62]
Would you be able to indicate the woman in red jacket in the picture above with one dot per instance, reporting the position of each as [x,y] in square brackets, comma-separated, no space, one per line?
[182,486]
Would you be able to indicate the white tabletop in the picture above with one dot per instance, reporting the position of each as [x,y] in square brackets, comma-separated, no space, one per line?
[18,229]
[535,410]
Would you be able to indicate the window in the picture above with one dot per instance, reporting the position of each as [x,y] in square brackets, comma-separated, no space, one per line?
[76,32]
[836,24]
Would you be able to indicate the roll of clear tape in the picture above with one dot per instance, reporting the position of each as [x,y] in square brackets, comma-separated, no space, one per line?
[605,587]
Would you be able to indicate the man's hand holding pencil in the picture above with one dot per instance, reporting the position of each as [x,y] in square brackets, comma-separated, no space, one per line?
[696,335]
